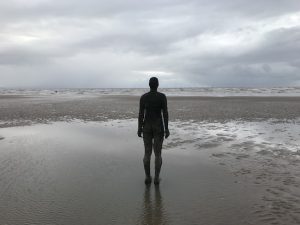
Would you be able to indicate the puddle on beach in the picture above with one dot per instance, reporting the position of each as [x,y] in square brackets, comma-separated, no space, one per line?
[92,173]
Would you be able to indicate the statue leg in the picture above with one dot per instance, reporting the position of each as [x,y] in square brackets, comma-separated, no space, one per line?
[147,156]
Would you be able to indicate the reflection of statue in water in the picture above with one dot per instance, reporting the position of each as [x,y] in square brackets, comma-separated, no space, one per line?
[153,124]
[153,210]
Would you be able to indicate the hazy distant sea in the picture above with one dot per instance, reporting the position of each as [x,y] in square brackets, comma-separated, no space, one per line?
[204,91]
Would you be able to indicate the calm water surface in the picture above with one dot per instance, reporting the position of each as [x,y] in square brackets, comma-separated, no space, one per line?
[92,173]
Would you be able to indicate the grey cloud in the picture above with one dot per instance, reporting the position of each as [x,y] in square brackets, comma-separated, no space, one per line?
[108,43]
[98,8]
[155,41]
[275,61]
[281,45]
[23,56]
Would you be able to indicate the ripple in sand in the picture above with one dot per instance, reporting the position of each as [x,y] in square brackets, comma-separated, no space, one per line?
[219,155]
[212,144]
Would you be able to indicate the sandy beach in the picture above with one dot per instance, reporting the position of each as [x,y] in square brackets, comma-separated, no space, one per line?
[78,160]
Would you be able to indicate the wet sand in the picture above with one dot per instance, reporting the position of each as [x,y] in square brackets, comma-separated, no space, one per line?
[31,109]
[231,160]
[78,173]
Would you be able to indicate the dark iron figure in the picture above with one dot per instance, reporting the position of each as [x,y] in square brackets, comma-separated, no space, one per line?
[153,127]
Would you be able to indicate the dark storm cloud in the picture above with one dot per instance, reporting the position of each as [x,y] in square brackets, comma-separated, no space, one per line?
[121,43]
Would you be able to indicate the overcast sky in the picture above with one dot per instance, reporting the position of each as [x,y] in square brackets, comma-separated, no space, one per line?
[122,43]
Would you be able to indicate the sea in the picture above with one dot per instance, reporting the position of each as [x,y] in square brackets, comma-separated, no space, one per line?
[197,91]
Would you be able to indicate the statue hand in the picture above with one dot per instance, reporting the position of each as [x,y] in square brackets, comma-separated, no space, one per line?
[167,133]
[139,133]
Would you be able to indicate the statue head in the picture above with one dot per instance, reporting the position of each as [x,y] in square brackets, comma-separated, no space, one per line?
[153,83]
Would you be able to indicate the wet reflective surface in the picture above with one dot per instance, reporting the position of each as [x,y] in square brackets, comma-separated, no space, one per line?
[92,173]
[153,207]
